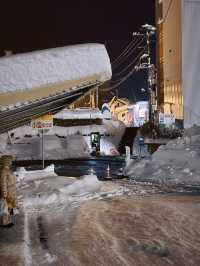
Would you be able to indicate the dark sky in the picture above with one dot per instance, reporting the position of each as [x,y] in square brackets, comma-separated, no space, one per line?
[27,25]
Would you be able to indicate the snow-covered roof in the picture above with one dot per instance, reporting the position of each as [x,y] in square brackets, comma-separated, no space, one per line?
[79,114]
[40,68]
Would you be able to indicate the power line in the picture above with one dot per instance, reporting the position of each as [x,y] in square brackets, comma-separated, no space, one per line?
[131,52]
[127,53]
[125,77]
[124,51]
[129,65]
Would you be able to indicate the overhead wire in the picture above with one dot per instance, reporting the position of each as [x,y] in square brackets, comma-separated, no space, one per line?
[129,65]
[119,82]
[126,53]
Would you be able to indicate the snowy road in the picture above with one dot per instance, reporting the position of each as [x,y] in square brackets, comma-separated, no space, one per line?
[152,230]
[124,223]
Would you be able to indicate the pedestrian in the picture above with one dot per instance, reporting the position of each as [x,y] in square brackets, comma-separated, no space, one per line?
[7,190]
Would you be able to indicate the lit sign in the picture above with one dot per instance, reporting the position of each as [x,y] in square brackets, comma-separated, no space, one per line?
[43,122]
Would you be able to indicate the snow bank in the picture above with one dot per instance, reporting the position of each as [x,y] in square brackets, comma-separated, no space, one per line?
[175,163]
[89,184]
[39,68]
[79,114]
[3,142]
[22,174]
[63,142]
[55,148]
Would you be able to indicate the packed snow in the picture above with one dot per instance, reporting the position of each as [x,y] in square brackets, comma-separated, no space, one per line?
[176,163]
[35,69]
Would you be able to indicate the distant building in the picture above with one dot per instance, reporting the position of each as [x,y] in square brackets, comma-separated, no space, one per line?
[132,115]
[138,114]
[118,108]
[178,58]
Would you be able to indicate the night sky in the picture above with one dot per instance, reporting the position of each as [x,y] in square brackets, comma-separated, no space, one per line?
[28,25]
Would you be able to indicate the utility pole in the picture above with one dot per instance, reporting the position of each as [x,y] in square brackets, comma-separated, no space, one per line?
[149,31]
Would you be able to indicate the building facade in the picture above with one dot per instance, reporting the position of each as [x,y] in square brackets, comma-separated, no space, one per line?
[178,58]
[168,23]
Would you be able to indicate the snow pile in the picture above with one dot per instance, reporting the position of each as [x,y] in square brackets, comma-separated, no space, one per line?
[39,68]
[21,173]
[63,142]
[84,113]
[3,142]
[88,185]
[55,148]
[172,164]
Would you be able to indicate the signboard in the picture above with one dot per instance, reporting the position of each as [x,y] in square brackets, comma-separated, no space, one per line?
[42,122]
[169,119]
[166,119]
[138,114]
[161,118]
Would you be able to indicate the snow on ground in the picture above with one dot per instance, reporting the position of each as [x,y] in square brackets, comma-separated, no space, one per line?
[55,148]
[172,164]
[88,184]
[43,191]
[3,142]
[22,174]
[62,142]
[35,69]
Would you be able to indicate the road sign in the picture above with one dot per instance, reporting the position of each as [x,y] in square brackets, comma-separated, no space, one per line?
[42,122]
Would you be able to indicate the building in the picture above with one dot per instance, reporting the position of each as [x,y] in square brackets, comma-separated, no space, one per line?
[119,108]
[178,58]
[168,23]
[41,82]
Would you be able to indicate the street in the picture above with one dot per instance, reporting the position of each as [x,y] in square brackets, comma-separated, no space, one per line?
[118,226]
